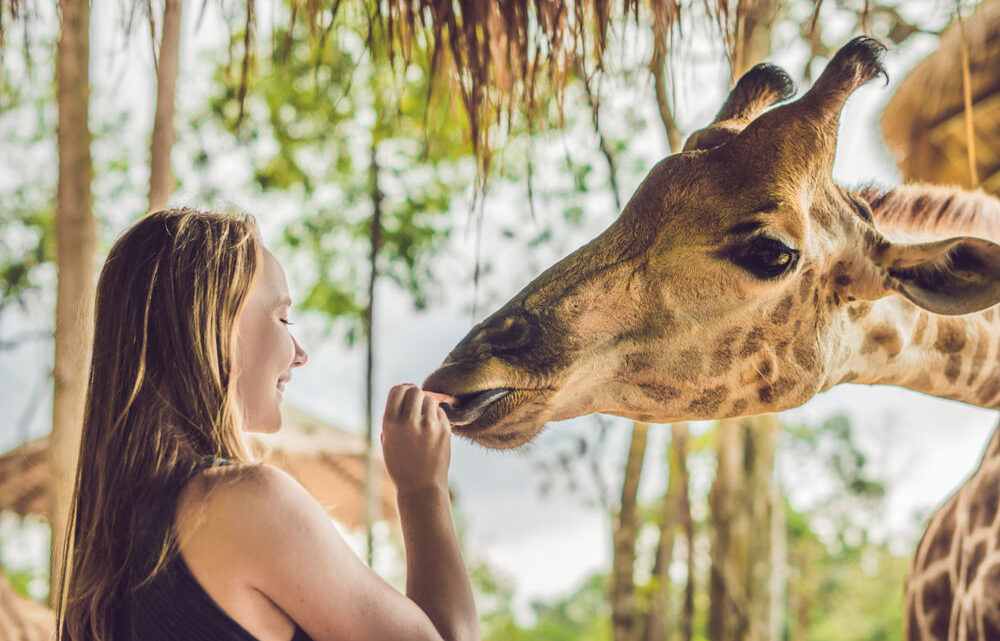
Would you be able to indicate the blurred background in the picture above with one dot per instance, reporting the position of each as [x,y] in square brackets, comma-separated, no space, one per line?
[413,164]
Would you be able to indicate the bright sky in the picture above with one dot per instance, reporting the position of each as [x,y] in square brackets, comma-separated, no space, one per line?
[923,446]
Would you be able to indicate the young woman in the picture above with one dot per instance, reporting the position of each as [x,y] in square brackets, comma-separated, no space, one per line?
[175,532]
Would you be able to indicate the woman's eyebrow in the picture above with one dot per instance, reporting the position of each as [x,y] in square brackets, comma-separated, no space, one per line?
[282,301]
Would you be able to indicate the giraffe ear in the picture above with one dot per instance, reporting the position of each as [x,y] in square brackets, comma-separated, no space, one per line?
[953,276]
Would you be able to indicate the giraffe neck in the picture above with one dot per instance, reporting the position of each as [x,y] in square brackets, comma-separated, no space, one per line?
[893,342]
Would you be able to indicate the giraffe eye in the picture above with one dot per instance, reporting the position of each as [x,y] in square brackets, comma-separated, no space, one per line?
[765,257]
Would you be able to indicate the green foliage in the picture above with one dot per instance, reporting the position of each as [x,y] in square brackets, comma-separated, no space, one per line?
[841,584]
[330,119]
[584,615]
[27,234]
[848,498]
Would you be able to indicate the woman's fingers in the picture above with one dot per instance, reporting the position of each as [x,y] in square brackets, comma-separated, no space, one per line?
[394,403]
[412,404]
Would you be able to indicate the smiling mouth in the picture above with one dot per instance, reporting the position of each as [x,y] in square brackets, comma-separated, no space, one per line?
[471,406]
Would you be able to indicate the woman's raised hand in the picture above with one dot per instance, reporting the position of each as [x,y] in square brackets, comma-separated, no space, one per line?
[416,440]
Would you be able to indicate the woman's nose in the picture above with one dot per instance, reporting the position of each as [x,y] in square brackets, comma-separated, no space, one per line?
[300,355]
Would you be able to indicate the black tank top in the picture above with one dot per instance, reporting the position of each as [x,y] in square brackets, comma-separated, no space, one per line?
[173,606]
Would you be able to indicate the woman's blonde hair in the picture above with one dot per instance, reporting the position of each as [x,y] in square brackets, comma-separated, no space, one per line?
[160,400]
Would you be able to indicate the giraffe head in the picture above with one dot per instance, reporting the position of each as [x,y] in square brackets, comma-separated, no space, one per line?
[722,288]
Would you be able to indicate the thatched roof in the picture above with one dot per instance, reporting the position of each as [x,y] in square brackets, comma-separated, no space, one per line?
[924,123]
[327,461]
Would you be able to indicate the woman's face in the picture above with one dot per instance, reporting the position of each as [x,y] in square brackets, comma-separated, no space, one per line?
[266,352]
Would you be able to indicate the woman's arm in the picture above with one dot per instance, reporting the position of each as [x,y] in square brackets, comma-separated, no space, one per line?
[273,533]
[416,437]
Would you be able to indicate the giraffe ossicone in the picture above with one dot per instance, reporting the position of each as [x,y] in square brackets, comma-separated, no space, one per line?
[741,279]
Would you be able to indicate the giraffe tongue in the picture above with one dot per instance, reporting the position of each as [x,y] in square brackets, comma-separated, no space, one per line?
[471,407]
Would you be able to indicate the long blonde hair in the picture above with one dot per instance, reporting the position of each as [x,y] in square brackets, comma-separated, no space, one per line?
[160,400]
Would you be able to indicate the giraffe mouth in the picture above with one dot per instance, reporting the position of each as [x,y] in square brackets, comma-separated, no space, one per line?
[469,407]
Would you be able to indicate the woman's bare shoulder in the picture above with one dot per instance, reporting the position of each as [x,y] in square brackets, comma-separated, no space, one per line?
[228,498]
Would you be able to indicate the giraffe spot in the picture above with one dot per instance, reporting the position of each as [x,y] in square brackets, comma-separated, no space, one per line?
[991,581]
[739,407]
[723,354]
[858,311]
[779,316]
[936,603]
[988,391]
[918,331]
[922,382]
[661,394]
[820,216]
[983,504]
[950,336]
[652,326]
[979,357]
[765,368]
[805,351]
[849,377]
[991,627]
[885,337]
[646,418]
[708,401]
[805,284]
[769,393]
[753,343]
[974,561]
[953,368]
[840,276]
[637,362]
[940,535]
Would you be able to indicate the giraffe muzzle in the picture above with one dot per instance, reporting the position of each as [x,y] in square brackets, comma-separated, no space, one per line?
[471,406]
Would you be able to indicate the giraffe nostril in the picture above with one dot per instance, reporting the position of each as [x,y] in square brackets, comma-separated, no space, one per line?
[507,333]
[494,336]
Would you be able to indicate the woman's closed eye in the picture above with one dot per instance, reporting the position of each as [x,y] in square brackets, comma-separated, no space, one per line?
[286,321]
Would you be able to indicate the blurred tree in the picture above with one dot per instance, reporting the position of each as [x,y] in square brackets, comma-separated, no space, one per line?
[626,530]
[75,263]
[674,518]
[161,177]
[746,532]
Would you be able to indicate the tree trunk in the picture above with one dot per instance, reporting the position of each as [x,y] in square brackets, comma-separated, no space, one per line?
[744,505]
[658,626]
[681,443]
[161,178]
[75,247]
[754,26]
[372,477]
[623,611]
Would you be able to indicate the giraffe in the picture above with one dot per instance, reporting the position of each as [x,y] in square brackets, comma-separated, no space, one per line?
[953,587]
[740,280]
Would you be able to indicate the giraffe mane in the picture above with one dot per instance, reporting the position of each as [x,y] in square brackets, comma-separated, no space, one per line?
[934,210]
